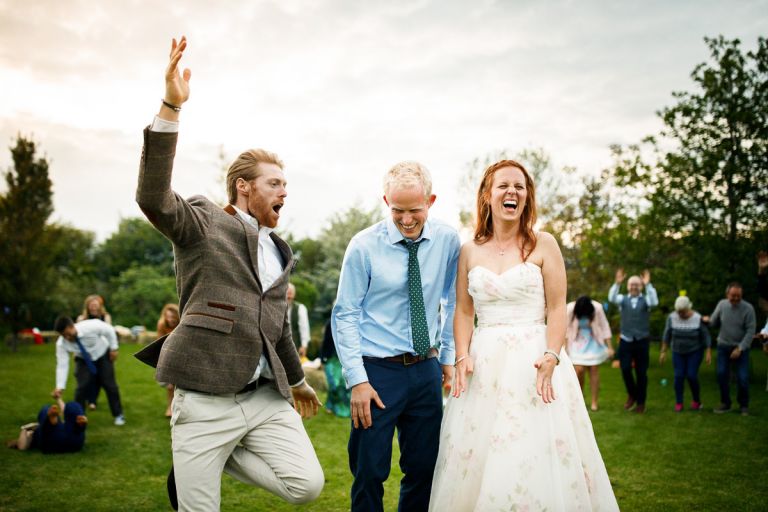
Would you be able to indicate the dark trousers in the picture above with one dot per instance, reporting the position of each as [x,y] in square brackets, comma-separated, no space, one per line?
[105,378]
[64,437]
[637,351]
[724,375]
[687,368]
[414,406]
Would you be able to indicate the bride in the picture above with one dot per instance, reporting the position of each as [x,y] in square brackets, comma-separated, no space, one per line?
[516,434]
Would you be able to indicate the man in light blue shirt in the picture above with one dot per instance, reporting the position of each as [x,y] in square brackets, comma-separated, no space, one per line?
[634,345]
[397,277]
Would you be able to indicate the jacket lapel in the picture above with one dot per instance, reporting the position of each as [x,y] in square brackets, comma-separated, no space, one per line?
[252,241]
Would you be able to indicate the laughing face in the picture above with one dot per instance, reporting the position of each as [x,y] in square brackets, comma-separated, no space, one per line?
[508,194]
[265,194]
[409,207]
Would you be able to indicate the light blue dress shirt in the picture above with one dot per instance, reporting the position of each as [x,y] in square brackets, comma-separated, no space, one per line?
[372,316]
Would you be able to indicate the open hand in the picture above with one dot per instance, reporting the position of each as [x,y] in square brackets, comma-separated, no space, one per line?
[177,84]
[463,370]
[545,366]
[620,275]
[305,400]
[646,277]
[360,404]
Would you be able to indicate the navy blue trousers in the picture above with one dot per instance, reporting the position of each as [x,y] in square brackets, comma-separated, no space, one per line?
[724,375]
[414,406]
[637,351]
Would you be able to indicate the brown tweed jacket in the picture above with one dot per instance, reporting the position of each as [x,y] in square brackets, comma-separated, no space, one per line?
[227,318]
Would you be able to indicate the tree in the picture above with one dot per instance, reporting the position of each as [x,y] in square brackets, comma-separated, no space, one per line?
[711,181]
[139,293]
[332,243]
[24,210]
[136,242]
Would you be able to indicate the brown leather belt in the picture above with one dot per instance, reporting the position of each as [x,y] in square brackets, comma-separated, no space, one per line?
[405,359]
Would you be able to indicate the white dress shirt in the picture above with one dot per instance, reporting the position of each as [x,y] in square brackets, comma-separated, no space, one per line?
[96,337]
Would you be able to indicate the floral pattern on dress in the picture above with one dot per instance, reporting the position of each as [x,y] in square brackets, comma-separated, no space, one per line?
[502,447]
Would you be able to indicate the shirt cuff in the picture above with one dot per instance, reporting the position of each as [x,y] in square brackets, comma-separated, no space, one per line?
[447,357]
[355,376]
[163,126]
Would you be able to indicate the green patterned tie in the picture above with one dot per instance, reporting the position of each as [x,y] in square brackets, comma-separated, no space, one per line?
[419,329]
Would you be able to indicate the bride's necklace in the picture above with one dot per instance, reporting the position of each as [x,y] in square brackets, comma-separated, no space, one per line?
[502,250]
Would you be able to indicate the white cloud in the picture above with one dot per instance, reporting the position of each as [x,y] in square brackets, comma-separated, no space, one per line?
[342,89]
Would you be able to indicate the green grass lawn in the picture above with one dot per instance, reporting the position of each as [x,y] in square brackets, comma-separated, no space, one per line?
[659,461]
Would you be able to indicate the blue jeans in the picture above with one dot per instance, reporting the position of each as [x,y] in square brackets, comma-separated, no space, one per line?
[687,367]
[414,406]
[724,375]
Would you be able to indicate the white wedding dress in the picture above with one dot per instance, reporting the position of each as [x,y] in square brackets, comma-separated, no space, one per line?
[501,447]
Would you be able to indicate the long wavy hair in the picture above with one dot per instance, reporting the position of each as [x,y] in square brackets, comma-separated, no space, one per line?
[484,217]
[163,327]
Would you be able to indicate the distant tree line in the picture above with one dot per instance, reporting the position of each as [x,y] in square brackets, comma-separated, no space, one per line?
[689,203]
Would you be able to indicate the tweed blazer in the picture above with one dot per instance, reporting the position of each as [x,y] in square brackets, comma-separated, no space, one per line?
[227,319]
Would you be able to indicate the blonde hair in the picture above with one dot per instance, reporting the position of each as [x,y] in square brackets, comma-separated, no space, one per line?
[162,326]
[408,174]
[102,310]
[246,166]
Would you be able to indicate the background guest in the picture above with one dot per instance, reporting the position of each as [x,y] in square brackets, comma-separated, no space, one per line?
[588,341]
[169,319]
[690,341]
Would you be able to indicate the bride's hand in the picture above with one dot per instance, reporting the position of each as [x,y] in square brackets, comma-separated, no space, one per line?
[545,366]
[464,369]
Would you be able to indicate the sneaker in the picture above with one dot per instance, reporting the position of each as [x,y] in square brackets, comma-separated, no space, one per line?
[696,406]
[745,411]
[120,420]
[678,407]
[640,409]
[629,403]
[722,408]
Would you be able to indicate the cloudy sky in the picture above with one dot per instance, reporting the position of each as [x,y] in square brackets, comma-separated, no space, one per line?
[341,90]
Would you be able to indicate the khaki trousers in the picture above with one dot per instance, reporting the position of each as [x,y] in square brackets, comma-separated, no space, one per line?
[256,437]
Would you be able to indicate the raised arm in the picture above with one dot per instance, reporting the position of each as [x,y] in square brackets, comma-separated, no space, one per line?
[613,294]
[174,217]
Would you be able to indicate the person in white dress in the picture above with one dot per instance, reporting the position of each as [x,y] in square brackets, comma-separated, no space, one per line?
[516,434]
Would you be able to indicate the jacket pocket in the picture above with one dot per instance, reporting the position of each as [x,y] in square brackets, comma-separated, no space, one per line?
[214,323]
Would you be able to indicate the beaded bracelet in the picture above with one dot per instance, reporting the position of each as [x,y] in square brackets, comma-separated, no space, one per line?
[557,358]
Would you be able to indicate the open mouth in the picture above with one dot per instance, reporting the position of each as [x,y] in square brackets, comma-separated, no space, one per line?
[408,227]
[510,204]
[276,208]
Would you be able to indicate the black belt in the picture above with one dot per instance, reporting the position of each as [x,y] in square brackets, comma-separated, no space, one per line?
[405,359]
[251,386]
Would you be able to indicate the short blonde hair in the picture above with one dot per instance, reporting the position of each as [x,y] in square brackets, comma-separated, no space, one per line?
[408,174]
[246,166]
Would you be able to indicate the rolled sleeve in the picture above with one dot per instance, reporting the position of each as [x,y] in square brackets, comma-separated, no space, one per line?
[651,297]
[447,354]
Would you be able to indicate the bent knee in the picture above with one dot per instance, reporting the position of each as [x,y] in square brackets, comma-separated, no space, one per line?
[308,488]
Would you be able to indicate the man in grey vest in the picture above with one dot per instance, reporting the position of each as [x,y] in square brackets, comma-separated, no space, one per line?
[298,317]
[634,342]
[231,358]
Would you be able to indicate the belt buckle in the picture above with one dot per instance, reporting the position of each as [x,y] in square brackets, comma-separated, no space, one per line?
[405,359]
